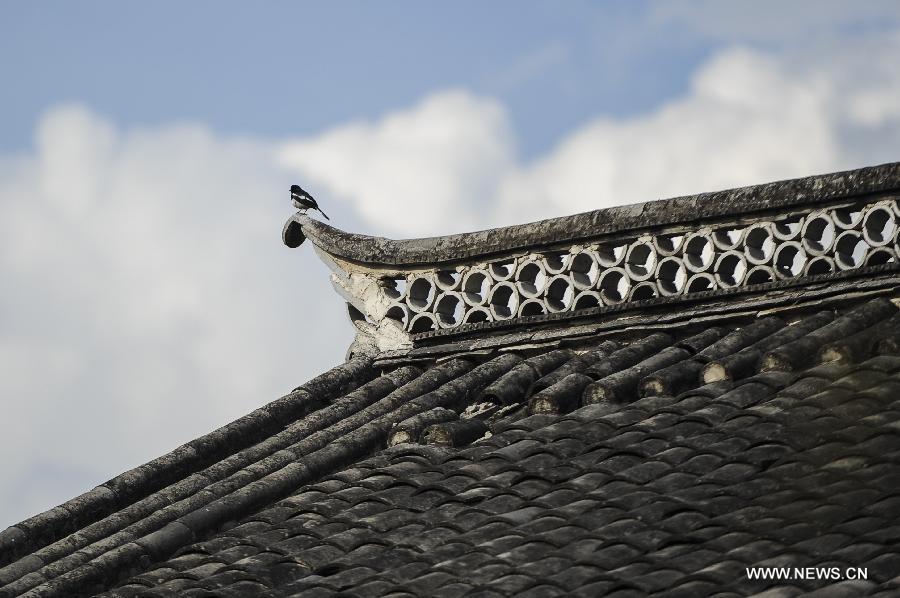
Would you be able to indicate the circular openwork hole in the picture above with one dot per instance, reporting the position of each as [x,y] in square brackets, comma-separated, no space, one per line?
[728,238]
[640,263]
[879,226]
[475,287]
[759,246]
[611,254]
[422,323]
[760,275]
[449,309]
[643,291]
[790,259]
[818,234]
[476,314]
[555,262]
[847,218]
[668,244]
[821,264]
[788,228]
[421,294]
[585,270]
[394,288]
[671,276]
[850,250]
[504,301]
[614,286]
[880,256]
[399,314]
[448,280]
[698,252]
[503,270]
[700,282]
[532,307]
[730,269]
[560,292]
[531,279]
[587,299]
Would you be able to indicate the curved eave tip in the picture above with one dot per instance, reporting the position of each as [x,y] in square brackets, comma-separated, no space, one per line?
[300,227]
[292,234]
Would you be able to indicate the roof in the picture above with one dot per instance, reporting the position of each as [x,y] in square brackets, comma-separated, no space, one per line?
[741,202]
[734,249]
[649,449]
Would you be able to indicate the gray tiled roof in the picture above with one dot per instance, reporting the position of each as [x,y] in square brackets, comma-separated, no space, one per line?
[629,464]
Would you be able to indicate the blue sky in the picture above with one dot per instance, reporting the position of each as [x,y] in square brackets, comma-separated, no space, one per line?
[294,68]
[146,151]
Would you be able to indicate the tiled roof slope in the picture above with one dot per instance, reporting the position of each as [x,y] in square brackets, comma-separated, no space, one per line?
[658,464]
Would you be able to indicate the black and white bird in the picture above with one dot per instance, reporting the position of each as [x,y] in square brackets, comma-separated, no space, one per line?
[305,201]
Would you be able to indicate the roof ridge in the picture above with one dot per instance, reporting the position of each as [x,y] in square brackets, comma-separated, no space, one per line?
[711,248]
[786,193]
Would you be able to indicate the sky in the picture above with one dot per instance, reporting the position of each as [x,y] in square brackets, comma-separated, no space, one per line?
[146,150]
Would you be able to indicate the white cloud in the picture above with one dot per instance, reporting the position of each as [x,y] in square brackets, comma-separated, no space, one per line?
[748,117]
[147,297]
[421,169]
[744,121]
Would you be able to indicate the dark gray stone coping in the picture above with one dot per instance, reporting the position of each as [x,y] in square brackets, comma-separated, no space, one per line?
[703,207]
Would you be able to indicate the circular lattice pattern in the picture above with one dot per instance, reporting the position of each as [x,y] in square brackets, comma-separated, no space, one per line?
[645,267]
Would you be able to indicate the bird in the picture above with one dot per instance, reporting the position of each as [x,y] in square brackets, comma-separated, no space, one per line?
[305,201]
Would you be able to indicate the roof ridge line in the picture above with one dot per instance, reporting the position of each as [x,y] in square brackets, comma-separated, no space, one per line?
[706,206]
[706,247]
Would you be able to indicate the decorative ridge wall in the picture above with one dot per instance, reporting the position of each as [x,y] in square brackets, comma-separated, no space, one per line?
[742,201]
[750,238]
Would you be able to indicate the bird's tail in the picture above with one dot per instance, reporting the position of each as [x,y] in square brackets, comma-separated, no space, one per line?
[323,213]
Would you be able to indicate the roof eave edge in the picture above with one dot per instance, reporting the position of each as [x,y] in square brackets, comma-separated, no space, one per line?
[380,253]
